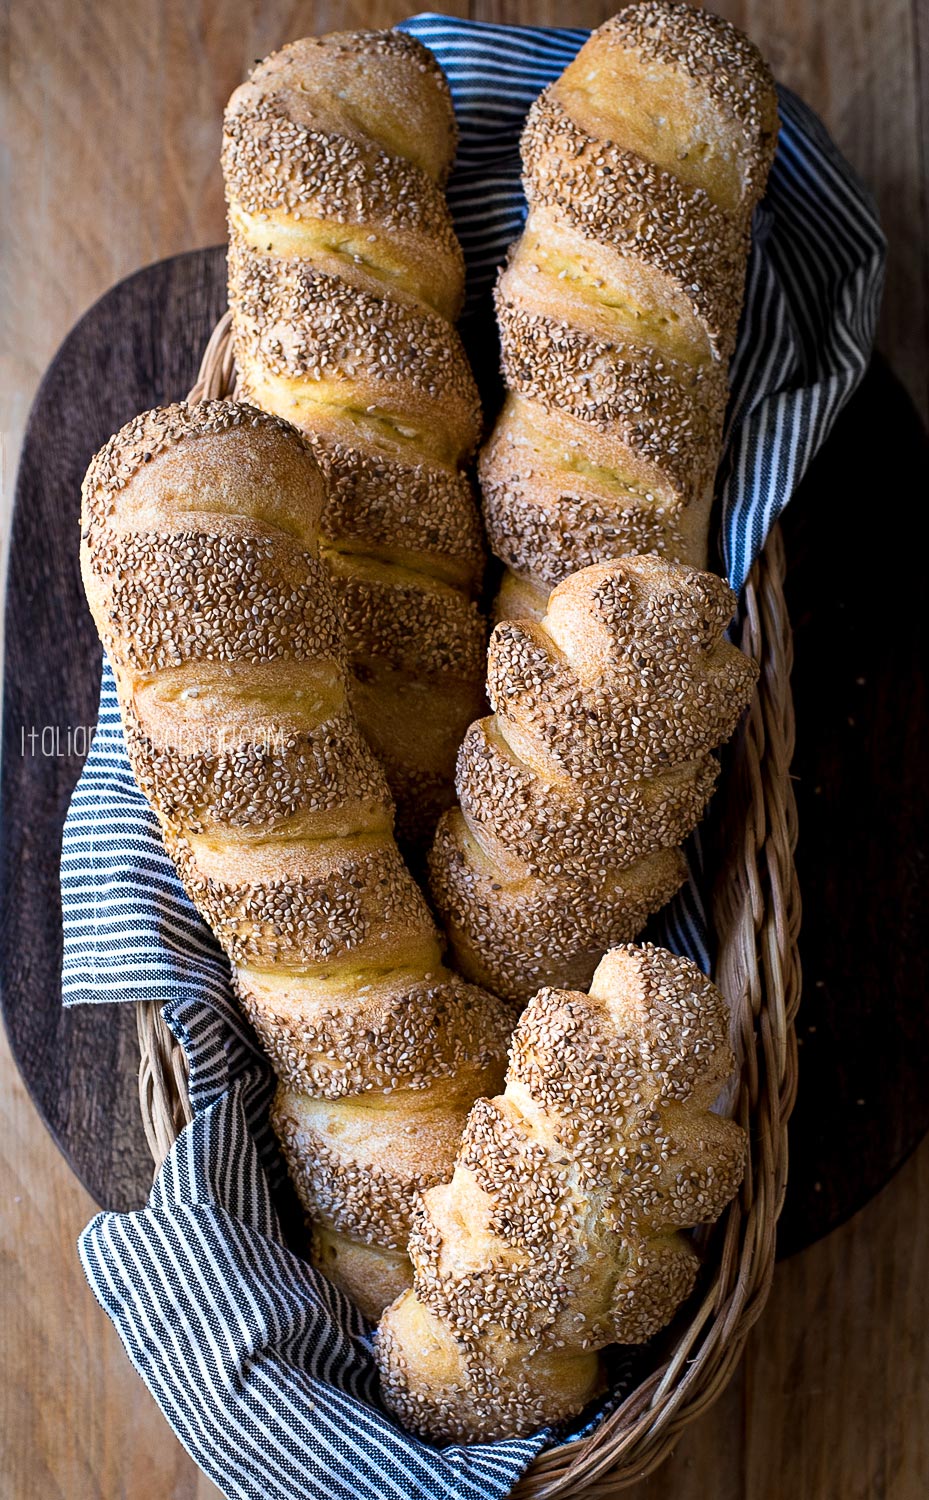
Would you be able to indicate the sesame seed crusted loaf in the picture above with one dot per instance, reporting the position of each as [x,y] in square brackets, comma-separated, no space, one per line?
[619,305]
[597,763]
[559,1232]
[345,277]
[200,558]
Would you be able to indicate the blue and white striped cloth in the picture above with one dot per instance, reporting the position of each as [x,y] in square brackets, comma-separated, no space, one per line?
[262,1369]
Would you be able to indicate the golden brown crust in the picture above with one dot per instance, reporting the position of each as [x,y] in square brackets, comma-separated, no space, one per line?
[628,675]
[362,85]
[520,599]
[262,773]
[196,440]
[513,930]
[411,511]
[201,567]
[375,1032]
[372,1277]
[304,903]
[409,724]
[344,274]
[668,414]
[552,504]
[236,595]
[618,307]
[560,1230]
[588,825]
[718,62]
[358,1170]
[441,1390]
[299,323]
[423,628]
[575,796]
[624,202]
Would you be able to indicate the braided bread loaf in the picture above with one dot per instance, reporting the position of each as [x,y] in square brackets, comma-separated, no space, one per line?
[596,764]
[559,1231]
[619,306]
[200,562]
[344,276]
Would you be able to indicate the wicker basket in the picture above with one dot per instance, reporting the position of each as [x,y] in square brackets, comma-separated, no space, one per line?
[756,911]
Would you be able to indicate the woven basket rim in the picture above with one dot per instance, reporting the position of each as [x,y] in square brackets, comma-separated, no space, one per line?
[756,916]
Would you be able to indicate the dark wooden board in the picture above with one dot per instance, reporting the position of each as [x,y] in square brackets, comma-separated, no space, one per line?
[138,346]
[856,535]
[864,1024]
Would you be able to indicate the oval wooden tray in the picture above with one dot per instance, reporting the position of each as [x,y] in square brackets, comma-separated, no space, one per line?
[862,719]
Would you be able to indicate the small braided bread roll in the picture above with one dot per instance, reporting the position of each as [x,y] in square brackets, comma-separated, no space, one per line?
[344,279]
[200,561]
[619,306]
[559,1232]
[596,764]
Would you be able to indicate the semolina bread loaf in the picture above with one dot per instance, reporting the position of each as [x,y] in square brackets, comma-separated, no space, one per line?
[619,305]
[575,796]
[201,566]
[560,1231]
[345,278]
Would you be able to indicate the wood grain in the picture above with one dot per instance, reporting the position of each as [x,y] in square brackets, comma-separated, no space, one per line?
[77,1422]
[111,123]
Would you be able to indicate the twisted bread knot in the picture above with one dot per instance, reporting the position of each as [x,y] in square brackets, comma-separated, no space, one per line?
[200,561]
[559,1232]
[344,276]
[619,305]
[594,767]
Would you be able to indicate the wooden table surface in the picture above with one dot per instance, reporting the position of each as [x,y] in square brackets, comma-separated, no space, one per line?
[112,115]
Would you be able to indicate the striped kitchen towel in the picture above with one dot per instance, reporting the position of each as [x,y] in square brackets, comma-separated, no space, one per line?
[263,1370]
